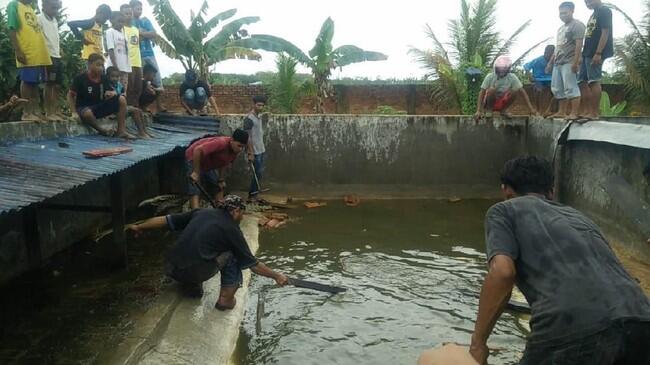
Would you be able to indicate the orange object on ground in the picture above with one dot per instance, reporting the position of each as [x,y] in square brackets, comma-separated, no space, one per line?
[351,200]
[107,152]
[311,205]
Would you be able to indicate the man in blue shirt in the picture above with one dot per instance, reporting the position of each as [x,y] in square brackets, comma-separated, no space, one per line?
[536,71]
[147,38]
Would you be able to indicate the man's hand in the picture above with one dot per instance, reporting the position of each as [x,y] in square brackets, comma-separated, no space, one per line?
[20,56]
[251,157]
[87,42]
[575,67]
[534,112]
[281,279]
[137,231]
[478,115]
[222,184]
[597,59]
[479,352]
[109,94]
[195,176]
[15,100]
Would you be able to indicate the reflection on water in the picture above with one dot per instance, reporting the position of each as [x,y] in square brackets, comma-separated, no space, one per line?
[412,269]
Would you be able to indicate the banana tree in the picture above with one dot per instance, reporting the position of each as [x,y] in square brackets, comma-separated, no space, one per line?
[193,45]
[321,59]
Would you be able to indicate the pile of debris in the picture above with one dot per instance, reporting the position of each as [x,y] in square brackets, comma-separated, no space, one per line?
[273,220]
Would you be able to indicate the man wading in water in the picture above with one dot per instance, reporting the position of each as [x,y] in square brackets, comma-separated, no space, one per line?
[586,309]
[210,241]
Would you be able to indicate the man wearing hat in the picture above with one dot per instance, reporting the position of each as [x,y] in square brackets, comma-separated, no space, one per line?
[195,93]
[210,241]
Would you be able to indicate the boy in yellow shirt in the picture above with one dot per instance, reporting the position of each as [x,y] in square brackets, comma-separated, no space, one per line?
[132,34]
[31,51]
[91,32]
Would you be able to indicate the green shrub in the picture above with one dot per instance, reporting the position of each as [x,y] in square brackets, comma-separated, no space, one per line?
[388,110]
[7,61]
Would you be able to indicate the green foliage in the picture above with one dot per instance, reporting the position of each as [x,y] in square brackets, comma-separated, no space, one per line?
[476,44]
[7,61]
[194,46]
[322,58]
[633,55]
[286,90]
[607,110]
[71,59]
[388,110]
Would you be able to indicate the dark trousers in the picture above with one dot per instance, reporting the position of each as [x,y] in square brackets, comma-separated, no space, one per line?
[622,343]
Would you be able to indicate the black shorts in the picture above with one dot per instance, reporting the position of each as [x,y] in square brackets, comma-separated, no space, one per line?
[54,72]
[146,99]
[103,109]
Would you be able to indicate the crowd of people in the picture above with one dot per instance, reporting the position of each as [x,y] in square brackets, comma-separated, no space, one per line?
[121,76]
[572,69]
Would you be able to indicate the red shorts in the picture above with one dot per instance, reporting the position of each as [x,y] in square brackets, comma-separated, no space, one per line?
[502,102]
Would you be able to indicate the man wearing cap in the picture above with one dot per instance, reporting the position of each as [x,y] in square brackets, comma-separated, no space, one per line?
[499,91]
[207,160]
[195,94]
[210,241]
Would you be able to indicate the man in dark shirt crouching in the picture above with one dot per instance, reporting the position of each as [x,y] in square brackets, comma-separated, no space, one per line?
[210,241]
[586,309]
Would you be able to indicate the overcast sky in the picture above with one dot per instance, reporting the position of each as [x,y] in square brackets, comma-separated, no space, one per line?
[385,26]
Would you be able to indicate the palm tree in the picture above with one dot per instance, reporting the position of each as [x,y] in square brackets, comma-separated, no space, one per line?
[456,68]
[633,54]
[193,46]
[322,58]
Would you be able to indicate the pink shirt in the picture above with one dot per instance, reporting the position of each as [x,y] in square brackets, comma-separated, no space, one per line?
[216,152]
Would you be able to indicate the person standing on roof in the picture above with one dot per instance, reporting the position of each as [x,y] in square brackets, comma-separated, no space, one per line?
[538,74]
[90,31]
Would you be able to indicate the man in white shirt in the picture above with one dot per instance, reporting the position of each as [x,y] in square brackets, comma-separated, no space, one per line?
[54,73]
[116,46]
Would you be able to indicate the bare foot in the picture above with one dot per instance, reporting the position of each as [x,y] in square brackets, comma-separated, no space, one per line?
[571,117]
[144,135]
[125,135]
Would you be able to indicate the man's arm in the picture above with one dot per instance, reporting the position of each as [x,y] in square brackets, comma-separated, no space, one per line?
[248,127]
[76,26]
[151,223]
[263,270]
[527,99]
[479,104]
[197,155]
[147,31]
[551,62]
[495,294]
[213,104]
[575,66]
[598,56]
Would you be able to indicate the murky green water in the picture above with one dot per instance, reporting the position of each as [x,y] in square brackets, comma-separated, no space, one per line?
[412,269]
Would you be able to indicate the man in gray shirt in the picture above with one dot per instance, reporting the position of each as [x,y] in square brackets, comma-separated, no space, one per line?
[256,149]
[586,309]
[564,82]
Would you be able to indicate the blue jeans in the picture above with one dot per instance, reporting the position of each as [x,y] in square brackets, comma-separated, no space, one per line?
[590,73]
[195,98]
[259,163]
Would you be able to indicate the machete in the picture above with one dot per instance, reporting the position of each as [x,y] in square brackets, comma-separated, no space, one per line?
[315,286]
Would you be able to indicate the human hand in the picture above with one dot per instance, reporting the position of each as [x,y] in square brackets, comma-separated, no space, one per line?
[194,176]
[251,157]
[87,42]
[222,184]
[15,100]
[534,112]
[109,94]
[135,229]
[478,115]
[20,56]
[575,68]
[281,279]
[597,59]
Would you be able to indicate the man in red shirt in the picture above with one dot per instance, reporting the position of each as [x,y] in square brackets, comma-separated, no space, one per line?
[207,160]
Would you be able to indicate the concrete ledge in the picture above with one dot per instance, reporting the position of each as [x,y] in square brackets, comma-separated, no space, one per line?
[180,330]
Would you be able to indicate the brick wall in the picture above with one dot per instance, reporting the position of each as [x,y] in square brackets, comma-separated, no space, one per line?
[357,99]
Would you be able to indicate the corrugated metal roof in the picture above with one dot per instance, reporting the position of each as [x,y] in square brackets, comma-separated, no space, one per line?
[31,172]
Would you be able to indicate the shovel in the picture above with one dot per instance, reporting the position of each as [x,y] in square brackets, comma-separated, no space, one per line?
[257,181]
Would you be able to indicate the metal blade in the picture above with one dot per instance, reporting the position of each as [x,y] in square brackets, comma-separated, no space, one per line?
[315,286]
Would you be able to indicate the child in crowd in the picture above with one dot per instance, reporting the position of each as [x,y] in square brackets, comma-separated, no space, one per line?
[90,31]
[117,49]
[92,96]
[8,107]
[113,75]
[132,35]
[54,73]
[151,91]
[147,38]
[31,53]
[499,91]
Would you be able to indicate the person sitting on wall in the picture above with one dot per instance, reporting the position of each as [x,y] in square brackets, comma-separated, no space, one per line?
[113,75]
[207,160]
[499,91]
[210,241]
[151,92]
[586,309]
[92,97]
[195,94]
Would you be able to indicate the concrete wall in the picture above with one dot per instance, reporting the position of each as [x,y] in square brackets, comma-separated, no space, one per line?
[432,156]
